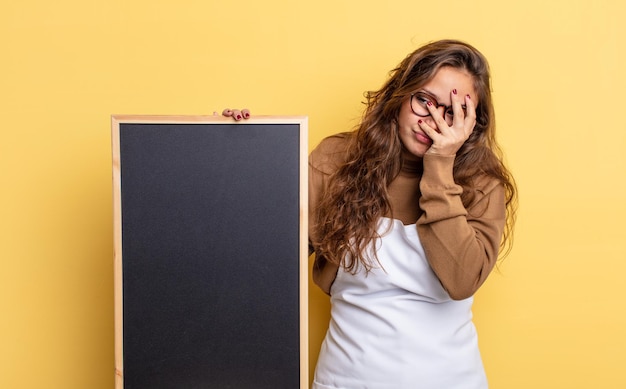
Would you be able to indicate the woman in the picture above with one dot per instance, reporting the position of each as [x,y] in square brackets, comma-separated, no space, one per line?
[408,214]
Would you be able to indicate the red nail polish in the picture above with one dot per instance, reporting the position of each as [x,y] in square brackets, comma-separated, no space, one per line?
[454,91]
[468,96]
[419,121]
[430,103]
[238,117]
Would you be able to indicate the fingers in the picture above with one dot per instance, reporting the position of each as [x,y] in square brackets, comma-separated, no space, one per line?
[440,121]
[233,113]
[458,108]
[236,114]
[470,111]
[431,132]
[462,118]
[449,135]
[442,144]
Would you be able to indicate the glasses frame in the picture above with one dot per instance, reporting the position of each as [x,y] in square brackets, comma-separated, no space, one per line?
[435,103]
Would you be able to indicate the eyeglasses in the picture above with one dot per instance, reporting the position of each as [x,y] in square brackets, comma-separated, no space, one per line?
[419,106]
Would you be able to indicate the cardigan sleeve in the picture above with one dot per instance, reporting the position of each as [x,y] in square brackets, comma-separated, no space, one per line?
[461,244]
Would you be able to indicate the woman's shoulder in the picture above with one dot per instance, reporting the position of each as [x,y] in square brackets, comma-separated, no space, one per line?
[330,153]
[334,144]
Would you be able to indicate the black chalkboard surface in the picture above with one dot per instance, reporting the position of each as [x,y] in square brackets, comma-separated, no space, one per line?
[210,252]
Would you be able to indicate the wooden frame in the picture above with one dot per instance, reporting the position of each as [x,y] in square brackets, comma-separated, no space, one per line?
[117,122]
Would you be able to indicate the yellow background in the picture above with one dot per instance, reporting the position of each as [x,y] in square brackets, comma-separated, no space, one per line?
[553,317]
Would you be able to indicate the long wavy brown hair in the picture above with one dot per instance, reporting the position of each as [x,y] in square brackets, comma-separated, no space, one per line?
[357,194]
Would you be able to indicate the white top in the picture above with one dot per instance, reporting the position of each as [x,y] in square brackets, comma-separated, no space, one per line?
[396,327]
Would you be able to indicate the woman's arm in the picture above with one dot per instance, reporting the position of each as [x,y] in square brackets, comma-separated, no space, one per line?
[461,244]
[323,160]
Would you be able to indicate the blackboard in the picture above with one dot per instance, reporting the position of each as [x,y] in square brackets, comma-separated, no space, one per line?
[210,252]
